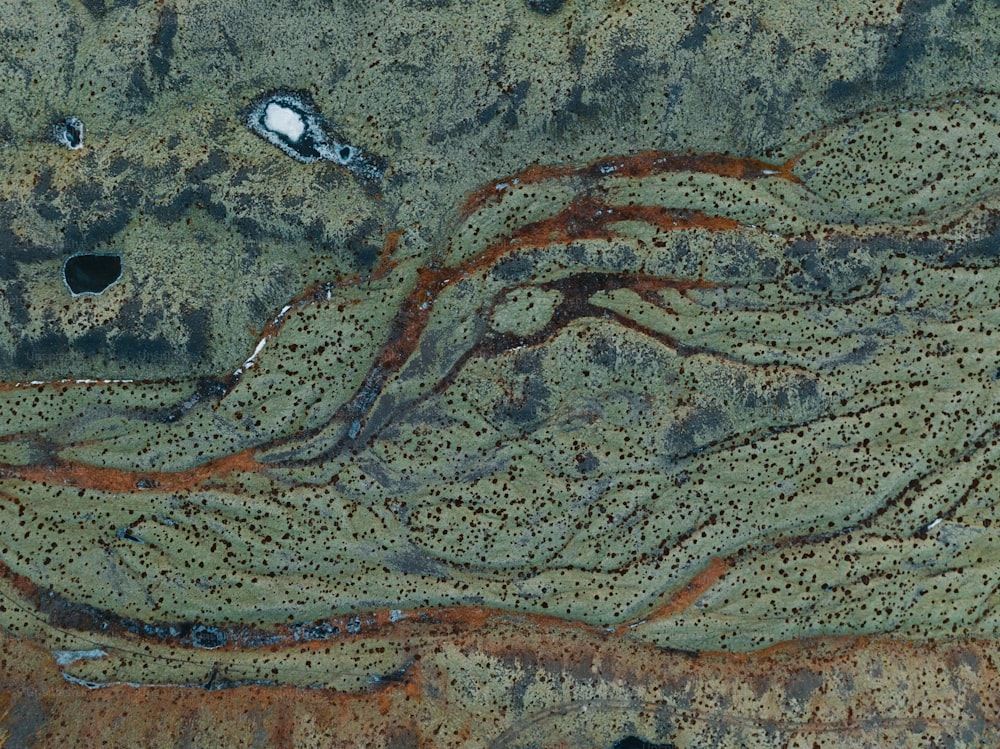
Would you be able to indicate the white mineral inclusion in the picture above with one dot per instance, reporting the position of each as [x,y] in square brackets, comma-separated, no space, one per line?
[285,121]
[292,123]
[66,657]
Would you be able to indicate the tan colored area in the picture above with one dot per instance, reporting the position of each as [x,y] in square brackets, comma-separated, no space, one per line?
[509,684]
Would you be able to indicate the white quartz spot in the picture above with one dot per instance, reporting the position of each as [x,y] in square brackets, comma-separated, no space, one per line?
[284,121]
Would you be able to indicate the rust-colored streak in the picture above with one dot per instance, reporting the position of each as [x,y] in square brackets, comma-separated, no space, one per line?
[585,219]
[447,622]
[671,220]
[637,165]
[687,595]
[100,478]
[386,264]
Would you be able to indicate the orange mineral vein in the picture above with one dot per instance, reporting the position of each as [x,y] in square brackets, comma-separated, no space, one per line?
[586,218]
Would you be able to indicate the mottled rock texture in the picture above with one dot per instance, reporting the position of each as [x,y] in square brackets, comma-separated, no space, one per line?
[667,327]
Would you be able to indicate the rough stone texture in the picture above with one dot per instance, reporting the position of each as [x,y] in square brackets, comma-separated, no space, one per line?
[513,684]
[670,327]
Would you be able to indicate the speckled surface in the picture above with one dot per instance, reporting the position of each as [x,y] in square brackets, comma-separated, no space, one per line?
[666,328]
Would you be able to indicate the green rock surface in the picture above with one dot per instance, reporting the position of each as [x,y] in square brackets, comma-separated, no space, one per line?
[810,393]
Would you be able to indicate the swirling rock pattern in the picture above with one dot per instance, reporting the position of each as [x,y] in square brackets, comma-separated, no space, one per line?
[641,389]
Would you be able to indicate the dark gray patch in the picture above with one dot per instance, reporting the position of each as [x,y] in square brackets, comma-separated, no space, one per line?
[218,127]
[402,737]
[520,688]
[91,344]
[859,356]
[131,349]
[48,348]
[829,266]
[905,48]
[514,268]
[128,315]
[604,353]
[26,718]
[783,51]
[507,104]
[577,254]
[215,209]
[216,163]
[529,408]
[807,390]
[739,260]
[358,243]
[163,43]
[844,92]
[929,249]
[198,323]
[50,213]
[704,24]
[138,93]
[105,228]
[119,166]
[16,301]
[800,686]
[984,251]
[634,742]
[458,130]
[97,8]
[914,41]
[965,658]
[42,189]
[170,212]
[73,239]
[701,428]
[574,111]
[249,228]
[544,7]
[587,462]
[367,256]
[87,193]
[415,561]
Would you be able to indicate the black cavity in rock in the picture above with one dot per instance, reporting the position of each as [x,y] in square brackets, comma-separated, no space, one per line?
[68,132]
[89,273]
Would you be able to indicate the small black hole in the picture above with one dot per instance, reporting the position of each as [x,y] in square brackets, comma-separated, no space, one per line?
[91,274]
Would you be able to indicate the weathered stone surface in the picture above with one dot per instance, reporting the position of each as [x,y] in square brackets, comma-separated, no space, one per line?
[669,327]
[508,683]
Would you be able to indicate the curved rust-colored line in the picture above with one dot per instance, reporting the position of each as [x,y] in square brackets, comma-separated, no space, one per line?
[683,598]
[585,219]
[60,472]
[642,164]
[65,614]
